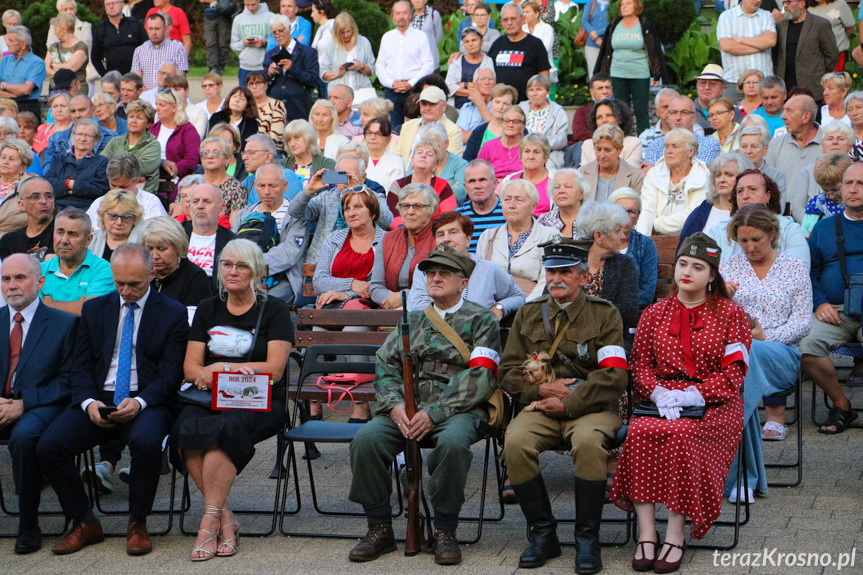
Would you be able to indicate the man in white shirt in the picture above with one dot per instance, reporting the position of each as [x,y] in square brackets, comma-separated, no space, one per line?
[206,237]
[746,36]
[149,96]
[403,59]
[124,174]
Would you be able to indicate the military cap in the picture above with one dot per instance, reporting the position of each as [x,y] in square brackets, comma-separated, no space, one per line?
[444,255]
[562,252]
[702,247]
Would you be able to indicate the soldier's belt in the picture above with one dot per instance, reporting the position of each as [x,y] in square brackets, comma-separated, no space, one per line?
[442,368]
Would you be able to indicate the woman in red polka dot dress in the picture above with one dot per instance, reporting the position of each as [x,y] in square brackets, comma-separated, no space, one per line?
[691,349]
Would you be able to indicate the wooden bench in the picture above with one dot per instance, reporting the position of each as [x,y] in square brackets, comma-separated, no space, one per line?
[335,319]
[308,287]
[666,248]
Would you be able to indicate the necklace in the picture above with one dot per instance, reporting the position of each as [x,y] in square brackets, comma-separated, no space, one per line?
[684,302]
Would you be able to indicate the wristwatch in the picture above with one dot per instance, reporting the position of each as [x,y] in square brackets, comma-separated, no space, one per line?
[227,366]
[2,85]
[499,307]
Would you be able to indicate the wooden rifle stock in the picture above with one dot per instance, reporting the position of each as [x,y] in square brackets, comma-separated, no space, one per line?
[413,456]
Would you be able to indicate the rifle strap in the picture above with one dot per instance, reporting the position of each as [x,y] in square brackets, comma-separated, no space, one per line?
[448,332]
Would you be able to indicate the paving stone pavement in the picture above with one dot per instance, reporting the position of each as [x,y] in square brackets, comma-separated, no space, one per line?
[824,515]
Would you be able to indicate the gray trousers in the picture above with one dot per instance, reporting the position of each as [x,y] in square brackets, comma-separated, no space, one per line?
[217,38]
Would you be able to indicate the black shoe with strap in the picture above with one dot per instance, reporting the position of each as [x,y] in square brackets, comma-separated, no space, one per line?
[544,545]
[379,540]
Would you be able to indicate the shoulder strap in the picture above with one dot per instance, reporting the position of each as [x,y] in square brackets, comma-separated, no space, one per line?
[257,327]
[448,332]
[556,339]
[840,247]
[592,8]
[489,249]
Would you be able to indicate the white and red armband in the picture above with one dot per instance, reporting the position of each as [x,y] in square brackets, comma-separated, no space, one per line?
[484,357]
[736,352]
[611,356]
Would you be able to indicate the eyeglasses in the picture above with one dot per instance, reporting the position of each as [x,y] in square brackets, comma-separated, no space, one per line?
[755,83]
[373,133]
[211,153]
[444,274]
[240,266]
[680,112]
[249,152]
[38,197]
[412,207]
[127,218]
[633,213]
[361,189]
[513,121]
[717,114]
[83,135]
[255,83]
[210,85]
[278,32]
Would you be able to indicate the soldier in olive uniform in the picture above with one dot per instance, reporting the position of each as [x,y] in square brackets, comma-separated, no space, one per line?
[454,387]
[584,337]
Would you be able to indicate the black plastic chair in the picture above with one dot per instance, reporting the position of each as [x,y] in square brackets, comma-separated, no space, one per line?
[797,422]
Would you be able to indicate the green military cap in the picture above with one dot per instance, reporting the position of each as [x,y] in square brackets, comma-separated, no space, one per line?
[702,247]
[444,255]
[562,252]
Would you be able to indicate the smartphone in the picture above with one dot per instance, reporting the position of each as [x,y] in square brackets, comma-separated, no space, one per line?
[334,177]
[348,65]
[104,410]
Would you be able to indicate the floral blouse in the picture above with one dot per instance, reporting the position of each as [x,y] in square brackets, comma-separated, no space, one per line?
[537,120]
[782,301]
[593,287]
[552,220]
[235,194]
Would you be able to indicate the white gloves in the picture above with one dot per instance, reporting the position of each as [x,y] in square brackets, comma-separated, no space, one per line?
[669,402]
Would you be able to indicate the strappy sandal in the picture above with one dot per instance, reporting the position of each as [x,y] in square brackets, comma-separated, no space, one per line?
[232,542]
[645,564]
[838,418]
[780,430]
[214,513]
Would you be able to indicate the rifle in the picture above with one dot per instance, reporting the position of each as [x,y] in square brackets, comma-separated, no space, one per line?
[414,540]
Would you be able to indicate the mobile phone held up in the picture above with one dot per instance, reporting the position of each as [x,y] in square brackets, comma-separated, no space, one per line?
[105,410]
[334,177]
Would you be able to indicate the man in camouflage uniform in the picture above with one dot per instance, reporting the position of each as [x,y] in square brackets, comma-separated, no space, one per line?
[578,409]
[452,395]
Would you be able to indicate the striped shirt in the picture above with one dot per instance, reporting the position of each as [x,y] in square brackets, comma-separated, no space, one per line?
[148,58]
[482,222]
[737,24]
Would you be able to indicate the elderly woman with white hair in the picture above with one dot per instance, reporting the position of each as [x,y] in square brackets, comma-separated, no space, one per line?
[546,117]
[837,138]
[15,157]
[836,86]
[173,274]
[534,153]
[105,110]
[304,154]
[325,120]
[609,172]
[674,187]
[61,121]
[214,157]
[217,445]
[450,167]
[10,19]
[119,216]
[612,274]
[568,190]
[639,247]
[425,158]
[67,51]
[401,249]
[754,142]
[515,245]
[79,177]
[716,207]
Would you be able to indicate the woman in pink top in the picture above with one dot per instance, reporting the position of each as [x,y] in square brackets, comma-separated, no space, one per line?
[503,152]
[534,152]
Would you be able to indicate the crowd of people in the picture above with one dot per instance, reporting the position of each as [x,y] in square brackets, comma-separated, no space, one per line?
[137,228]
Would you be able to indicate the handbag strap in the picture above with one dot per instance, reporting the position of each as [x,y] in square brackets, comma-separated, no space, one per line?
[592,8]
[840,248]
[257,328]
[489,250]
[448,332]
[556,339]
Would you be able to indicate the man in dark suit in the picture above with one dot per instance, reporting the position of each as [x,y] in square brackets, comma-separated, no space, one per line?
[129,353]
[206,236]
[291,80]
[36,356]
[805,50]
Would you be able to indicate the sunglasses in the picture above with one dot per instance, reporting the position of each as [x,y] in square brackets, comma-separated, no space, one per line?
[361,189]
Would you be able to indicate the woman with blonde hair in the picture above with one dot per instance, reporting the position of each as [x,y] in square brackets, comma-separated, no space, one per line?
[349,60]
[67,52]
[303,151]
[236,166]
[173,274]
[325,120]
[836,87]
[178,138]
[10,19]
[214,158]
[83,31]
[119,216]
[62,120]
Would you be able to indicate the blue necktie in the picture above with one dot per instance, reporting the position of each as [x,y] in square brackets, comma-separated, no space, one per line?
[124,365]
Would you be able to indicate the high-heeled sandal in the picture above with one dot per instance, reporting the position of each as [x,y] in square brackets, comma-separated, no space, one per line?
[212,512]
[232,542]
[663,566]
[645,564]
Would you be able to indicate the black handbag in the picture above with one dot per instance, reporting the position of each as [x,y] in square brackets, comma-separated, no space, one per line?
[649,409]
[853,302]
[203,398]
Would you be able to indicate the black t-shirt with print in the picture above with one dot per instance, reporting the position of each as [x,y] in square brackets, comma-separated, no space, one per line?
[18,242]
[516,62]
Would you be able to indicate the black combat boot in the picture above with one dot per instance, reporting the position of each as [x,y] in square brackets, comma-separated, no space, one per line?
[533,499]
[589,499]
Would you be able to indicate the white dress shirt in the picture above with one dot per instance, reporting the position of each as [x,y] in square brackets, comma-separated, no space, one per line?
[28,313]
[111,379]
[403,57]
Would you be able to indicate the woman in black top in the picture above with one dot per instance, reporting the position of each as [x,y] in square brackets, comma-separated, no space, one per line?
[240,111]
[216,446]
[175,276]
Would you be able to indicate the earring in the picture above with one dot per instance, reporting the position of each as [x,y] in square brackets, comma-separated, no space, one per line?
[709,287]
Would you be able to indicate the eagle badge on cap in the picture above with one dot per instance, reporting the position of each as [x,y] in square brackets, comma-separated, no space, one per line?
[693,249]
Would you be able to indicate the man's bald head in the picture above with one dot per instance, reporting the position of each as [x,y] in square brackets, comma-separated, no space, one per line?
[80,107]
[207,204]
[681,113]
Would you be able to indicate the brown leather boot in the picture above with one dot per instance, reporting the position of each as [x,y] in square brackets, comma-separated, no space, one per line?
[82,534]
[446,550]
[137,539]
[379,540]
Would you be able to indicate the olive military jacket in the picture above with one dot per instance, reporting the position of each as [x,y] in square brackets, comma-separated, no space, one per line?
[447,384]
[593,343]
